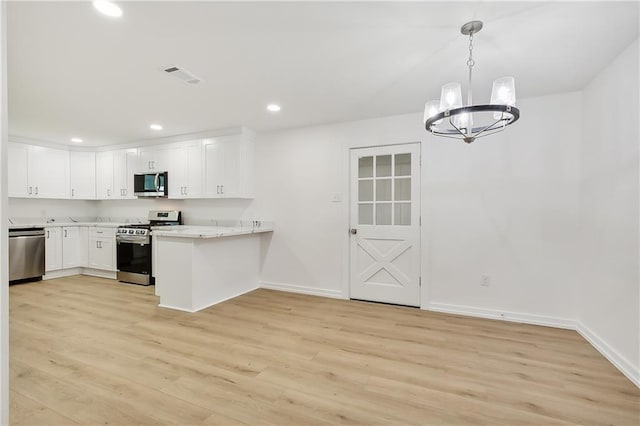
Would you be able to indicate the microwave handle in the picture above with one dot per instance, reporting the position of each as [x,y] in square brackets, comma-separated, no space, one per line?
[156,181]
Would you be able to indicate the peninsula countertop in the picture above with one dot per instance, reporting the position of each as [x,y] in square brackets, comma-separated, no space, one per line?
[196,231]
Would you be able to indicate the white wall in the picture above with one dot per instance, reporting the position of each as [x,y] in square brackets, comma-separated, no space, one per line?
[39,208]
[504,206]
[608,292]
[193,211]
[4,234]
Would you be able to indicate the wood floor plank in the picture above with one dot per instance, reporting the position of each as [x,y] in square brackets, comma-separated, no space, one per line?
[85,350]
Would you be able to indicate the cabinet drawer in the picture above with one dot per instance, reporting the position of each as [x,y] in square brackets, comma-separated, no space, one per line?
[102,232]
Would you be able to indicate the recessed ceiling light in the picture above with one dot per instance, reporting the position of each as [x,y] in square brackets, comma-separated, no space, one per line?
[273,107]
[76,140]
[155,126]
[108,8]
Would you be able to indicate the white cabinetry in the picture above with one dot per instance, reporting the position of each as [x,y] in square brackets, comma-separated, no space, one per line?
[185,170]
[37,171]
[53,248]
[75,240]
[154,159]
[124,167]
[228,166]
[82,175]
[102,248]
[114,174]
[17,168]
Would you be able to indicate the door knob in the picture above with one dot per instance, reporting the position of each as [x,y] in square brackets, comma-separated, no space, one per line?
[353,231]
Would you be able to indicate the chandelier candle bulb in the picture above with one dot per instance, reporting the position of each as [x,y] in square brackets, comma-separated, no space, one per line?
[450,96]
[503,93]
[431,109]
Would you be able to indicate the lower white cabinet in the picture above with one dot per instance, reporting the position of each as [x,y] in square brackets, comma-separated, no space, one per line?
[75,246]
[102,248]
[52,248]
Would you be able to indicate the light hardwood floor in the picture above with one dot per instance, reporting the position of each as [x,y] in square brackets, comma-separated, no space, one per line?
[86,350]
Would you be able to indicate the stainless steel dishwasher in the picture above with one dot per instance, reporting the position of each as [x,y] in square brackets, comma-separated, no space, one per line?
[26,253]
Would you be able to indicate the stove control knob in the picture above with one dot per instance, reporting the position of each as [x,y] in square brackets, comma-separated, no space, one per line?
[131,231]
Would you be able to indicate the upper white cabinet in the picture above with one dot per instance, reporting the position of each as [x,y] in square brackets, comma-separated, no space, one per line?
[154,159]
[38,171]
[114,174]
[17,168]
[185,170]
[228,166]
[124,167]
[82,175]
[216,167]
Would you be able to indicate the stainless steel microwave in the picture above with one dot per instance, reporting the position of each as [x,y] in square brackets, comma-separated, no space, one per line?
[151,184]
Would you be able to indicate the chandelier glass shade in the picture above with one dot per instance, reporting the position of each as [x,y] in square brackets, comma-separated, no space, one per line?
[449,117]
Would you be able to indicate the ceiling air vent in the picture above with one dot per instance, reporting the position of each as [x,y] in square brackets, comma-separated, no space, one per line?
[181,74]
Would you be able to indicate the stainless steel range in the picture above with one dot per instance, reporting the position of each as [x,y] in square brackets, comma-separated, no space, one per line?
[134,246]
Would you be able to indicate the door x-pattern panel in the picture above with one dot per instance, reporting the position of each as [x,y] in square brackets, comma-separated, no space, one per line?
[385,261]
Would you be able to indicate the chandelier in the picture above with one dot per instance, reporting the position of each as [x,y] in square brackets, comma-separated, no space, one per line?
[447,116]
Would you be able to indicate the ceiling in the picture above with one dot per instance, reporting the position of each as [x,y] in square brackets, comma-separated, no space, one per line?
[73,72]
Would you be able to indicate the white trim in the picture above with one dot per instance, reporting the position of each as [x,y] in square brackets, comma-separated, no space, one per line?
[79,271]
[502,315]
[293,288]
[210,304]
[61,273]
[625,366]
[621,363]
[175,308]
[112,275]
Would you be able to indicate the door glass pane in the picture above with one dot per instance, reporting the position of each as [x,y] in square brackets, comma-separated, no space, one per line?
[402,189]
[383,190]
[403,165]
[402,214]
[383,165]
[365,190]
[365,214]
[365,167]
[383,214]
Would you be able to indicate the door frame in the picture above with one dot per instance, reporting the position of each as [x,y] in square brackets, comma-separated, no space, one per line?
[346,220]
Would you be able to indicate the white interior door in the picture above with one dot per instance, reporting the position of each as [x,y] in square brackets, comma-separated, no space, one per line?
[385,224]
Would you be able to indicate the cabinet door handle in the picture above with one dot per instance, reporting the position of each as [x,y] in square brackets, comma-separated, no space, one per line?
[153,164]
[125,192]
[222,189]
[65,233]
[36,190]
[217,189]
[73,192]
[30,190]
[185,190]
[47,234]
[108,193]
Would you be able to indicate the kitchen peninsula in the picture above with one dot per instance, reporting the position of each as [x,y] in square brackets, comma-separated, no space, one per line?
[200,266]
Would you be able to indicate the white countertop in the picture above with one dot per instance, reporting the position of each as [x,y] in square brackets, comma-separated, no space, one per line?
[52,224]
[189,231]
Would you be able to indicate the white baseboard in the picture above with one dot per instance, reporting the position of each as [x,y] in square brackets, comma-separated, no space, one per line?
[502,315]
[208,305]
[79,271]
[621,363]
[61,273]
[99,273]
[292,288]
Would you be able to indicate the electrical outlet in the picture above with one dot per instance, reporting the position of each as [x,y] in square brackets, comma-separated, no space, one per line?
[336,197]
[485,280]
